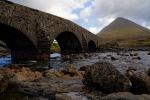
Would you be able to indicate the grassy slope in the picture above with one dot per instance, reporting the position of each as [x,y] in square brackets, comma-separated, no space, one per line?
[126,33]
[55,48]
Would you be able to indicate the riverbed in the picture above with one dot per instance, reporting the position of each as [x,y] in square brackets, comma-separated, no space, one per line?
[67,85]
[138,59]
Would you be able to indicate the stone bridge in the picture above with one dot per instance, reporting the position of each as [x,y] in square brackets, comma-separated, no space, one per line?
[29,33]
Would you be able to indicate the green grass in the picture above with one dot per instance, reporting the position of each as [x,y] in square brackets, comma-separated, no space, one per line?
[55,48]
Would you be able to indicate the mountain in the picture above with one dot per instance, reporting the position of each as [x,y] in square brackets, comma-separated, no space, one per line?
[125,33]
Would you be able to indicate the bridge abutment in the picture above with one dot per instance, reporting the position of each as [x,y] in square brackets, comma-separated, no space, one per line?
[18,57]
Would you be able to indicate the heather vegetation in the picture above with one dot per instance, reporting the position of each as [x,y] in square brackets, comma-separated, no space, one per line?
[126,34]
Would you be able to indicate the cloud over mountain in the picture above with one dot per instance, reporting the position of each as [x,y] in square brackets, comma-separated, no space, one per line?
[94,14]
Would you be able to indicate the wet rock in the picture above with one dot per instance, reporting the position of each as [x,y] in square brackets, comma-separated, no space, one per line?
[140,83]
[80,56]
[123,54]
[86,55]
[133,54]
[113,58]
[122,96]
[62,97]
[83,68]
[70,70]
[148,72]
[138,58]
[105,58]
[3,83]
[14,66]
[66,57]
[66,72]
[33,89]
[130,71]
[71,96]
[47,87]
[104,77]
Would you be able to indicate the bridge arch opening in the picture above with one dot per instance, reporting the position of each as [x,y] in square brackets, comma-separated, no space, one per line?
[21,47]
[91,45]
[55,48]
[68,43]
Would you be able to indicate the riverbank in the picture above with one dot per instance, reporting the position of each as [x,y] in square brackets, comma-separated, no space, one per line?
[20,83]
[67,82]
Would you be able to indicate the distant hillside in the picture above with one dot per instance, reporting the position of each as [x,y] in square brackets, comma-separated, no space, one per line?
[126,33]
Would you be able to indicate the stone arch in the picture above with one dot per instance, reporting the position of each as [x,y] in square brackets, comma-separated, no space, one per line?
[22,48]
[68,42]
[91,45]
[39,29]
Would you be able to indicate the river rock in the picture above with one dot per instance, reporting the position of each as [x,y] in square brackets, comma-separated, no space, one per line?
[53,74]
[148,72]
[3,83]
[140,83]
[130,71]
[133,54]
[122,96]
[113,58]
[82,68]
[64,72]
[137,58]
[66,57]
[86,55]
[70,70]
[104,77]
[25,74]
[80,56]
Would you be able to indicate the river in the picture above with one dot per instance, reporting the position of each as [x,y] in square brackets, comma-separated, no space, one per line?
[5,60]
[140,61]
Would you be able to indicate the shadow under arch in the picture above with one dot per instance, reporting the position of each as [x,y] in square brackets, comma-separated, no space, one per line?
[68,43]
[91,45]
[22,48]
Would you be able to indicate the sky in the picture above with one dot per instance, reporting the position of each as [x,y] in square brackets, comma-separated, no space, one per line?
[94,15]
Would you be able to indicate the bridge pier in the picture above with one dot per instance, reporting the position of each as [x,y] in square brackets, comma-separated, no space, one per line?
[29,56]
[28,33]
[43,56]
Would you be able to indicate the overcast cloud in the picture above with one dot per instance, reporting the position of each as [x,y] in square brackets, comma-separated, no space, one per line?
[94,14]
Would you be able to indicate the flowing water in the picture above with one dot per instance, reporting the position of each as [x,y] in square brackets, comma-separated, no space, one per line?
[138,59]
[5,60]
[122,62]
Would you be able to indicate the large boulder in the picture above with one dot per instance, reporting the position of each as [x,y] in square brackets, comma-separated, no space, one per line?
[104,77]
[140,83]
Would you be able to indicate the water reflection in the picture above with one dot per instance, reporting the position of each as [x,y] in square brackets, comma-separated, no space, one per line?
[121,64]
[56,61]
[5,60]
